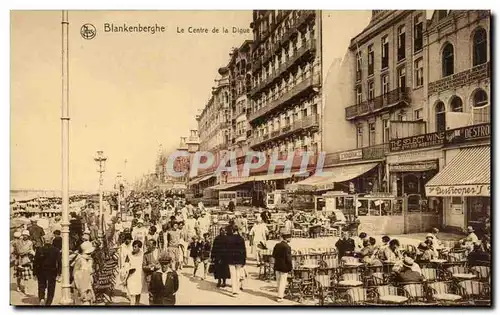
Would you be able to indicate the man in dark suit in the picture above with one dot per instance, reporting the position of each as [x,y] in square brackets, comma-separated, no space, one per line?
[150,262]
[47,267]
[407,274]
[164,283]
[282,254]
[345,244]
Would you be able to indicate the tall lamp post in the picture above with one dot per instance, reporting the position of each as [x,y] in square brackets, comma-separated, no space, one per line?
[66,286]
[119,199]
[100,160]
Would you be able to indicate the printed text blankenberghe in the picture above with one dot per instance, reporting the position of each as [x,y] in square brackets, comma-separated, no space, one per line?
[138,28]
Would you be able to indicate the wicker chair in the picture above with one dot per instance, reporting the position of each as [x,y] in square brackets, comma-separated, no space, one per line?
[443,292]
[483,273]
[326,288]
[430,274]
[357,296]
[389,294]
[475,291]
[415,292]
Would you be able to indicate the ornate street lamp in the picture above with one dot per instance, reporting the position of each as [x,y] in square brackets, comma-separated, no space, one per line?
[100,160]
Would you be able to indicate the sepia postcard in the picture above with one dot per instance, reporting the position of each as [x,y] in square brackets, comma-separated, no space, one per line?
[251,158]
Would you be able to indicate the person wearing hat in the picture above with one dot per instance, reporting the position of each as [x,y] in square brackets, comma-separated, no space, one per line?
[282,254]
[23,252]
[82,275]
[258,234]
[203,224]
[471,237]
[164,283]
[36,233]
[47,267]
[406,274]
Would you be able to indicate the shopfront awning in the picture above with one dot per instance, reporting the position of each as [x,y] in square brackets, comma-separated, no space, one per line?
[329,177]
[225,186]
[467,174]
[201,179]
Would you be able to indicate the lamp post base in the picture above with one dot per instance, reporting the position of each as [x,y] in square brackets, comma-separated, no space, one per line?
[66,296]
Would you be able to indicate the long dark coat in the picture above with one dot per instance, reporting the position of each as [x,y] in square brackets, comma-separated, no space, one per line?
[163,293]
[219,257]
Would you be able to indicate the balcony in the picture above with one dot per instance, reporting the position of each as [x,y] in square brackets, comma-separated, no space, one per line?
[307,122]
[241,138]
[469,76]
[309,46]
[295,91]
[367,153]
[379,103]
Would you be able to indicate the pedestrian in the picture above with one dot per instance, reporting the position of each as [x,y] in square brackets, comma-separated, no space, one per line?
[24,254]
[36,233]
[236,258]
[194,249]
[173,249]
[152,234]
[258,235]
[57,241]
[94,231]
[134,282]
[282,254]
[164,283]
[150,262]
[205,254]
[345,245]
[82,275]
[231,206]
[219,259]
[266,216]
[162,237]
[47,268]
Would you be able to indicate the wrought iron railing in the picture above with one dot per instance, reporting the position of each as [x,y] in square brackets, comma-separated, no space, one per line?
[387,100]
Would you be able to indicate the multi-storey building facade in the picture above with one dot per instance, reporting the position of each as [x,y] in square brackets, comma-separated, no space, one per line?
[286,83]
[458,112]
[240,80]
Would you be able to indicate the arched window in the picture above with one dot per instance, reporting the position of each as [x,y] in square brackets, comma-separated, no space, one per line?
[480,44]
[480,107]
[456,105]
[440,117]
[447,60]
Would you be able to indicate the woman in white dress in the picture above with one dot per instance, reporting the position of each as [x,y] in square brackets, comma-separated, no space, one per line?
[135,278]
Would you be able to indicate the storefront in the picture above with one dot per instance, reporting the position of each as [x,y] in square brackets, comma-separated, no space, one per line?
[463,185]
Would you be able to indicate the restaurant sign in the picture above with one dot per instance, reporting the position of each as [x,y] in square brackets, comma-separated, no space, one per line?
[351,155]
[466,134]
[417,142]
[458,190]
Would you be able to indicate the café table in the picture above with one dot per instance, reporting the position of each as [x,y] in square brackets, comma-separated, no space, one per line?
[393,299]
[464,276]
[445,298]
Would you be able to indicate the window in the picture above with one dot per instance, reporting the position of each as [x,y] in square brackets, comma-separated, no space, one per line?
[370,60]
[418,30]
[359,62]
[447,60]
[385,52]
[359,94]
[385,125]
[480,42]
[359,136]
[371,134]
[480,107]
[417,114]
[371,90]
[419,72]
[385,84]
[402,78]
[440,117]
[401,43]
[456,105]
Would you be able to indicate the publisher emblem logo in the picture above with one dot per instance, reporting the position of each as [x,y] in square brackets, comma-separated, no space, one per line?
[88,31]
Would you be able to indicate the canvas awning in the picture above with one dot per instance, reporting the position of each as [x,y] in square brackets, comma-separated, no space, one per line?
[467,174]
[201,179]
[328,177]
[225,186]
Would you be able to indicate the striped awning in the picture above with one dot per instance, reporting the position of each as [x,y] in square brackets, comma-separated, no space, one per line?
[467,174]
[225,186]
[200,179]
[326,180]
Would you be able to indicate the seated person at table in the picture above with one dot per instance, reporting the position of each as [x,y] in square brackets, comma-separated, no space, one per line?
[385,243]
[399,264]
[315,228]
[468,242]
[406,274]
[478,256]
[367,249]
[266,216]
[359,240]
[344,245]
[425,253]
[391,252]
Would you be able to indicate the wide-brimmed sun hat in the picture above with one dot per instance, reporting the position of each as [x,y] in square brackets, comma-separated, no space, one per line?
[26,233]
[87,247]
[408,262]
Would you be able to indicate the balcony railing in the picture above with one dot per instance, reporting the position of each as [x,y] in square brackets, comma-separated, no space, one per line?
[378,103]
[241,138]
[307,47]
[367,153]
[304,123]
[284,98]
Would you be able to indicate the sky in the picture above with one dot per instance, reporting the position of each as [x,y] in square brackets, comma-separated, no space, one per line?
[129,92]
